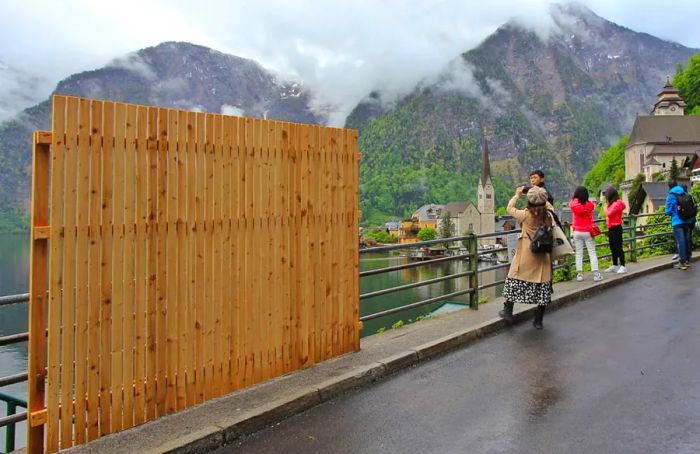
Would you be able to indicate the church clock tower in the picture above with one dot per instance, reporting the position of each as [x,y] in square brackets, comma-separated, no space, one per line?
[486,196]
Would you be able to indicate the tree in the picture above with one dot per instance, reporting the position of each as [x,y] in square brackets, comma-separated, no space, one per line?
[610,168]
[674,172]
[427,234]
[447,226]
[687,80]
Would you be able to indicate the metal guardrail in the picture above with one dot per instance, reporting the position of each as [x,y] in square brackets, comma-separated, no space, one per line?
[11,419]
[567,265]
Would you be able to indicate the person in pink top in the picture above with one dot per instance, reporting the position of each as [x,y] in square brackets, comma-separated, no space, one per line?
[613,218]
[582,209]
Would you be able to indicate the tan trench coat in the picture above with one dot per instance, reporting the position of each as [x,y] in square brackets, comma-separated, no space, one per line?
[527,266]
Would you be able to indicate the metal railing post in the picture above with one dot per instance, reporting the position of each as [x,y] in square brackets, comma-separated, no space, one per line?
[472,246]
[10,429]
[633,238]
[569,260]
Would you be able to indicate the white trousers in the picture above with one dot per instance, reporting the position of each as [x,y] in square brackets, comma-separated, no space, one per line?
[581,238]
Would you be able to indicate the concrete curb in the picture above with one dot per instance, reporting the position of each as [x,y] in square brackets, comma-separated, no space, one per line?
[230,428]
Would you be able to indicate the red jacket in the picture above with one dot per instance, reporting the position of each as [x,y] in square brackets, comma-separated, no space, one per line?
[613,213]
[583,215]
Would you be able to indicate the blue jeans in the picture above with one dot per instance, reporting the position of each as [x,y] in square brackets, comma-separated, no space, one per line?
[682,234]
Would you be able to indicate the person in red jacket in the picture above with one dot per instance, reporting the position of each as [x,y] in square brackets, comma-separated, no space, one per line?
[582,209]
[613,218]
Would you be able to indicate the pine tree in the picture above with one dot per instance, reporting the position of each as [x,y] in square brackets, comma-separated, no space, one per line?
[675,171]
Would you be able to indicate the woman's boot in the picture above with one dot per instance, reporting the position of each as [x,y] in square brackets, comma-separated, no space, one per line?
[539,315]
[507,312]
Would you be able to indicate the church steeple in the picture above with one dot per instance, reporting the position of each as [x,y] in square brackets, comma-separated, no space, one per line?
[486,195]
[670,101]
[485,164]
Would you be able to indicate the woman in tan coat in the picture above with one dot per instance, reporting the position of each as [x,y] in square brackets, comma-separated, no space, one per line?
[529,280]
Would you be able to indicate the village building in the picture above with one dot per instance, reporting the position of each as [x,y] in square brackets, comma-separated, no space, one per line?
[655,141]
[465,216]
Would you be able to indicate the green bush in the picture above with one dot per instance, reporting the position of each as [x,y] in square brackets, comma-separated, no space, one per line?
[427,234]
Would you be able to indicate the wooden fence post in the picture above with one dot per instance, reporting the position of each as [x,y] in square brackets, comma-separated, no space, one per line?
[36,410]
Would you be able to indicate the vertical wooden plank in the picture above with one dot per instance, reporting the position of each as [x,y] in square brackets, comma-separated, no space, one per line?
[37,293]
[140,265]
[239,245]
[182,262]
[107,216]
[335,243]
[348,237]
[303,343]
[248,317]
[200,300]
[152,264]
[289,228]
[263,205]
[256,278]
[191,332]
[162,283]
[68,308]
[55,272]
[82,302]
[209,258]
[217,281]
[226,273]
[129,302]
[355,175]
[276,279]
[314,250]
[94,296]
[172,300]
[118,267]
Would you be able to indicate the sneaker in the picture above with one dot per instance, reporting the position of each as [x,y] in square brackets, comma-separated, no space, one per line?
[674,257]
[612,269]
[677,265]
[579,276]
[621,270]
[684,266]
[597,277]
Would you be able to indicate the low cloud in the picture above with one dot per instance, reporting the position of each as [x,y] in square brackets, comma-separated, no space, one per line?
[342,51]
[232,110]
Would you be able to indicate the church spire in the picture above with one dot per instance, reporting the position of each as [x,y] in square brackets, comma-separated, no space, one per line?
[485,165]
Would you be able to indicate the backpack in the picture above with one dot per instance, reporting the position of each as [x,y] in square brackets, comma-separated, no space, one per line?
[543,240]
[687,210]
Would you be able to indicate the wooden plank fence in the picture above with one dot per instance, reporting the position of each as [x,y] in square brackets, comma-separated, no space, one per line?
[186,255]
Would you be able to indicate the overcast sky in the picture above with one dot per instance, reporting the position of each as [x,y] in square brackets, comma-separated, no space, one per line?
[343,49]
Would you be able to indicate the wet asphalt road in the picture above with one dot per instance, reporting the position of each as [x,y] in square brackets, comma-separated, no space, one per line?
[619,373]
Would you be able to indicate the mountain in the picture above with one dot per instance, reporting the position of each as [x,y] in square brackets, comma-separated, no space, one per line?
[554,101]
[178,75]
[17,90]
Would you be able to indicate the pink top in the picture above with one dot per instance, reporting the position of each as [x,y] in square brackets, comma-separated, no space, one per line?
[583,215]
[613,213]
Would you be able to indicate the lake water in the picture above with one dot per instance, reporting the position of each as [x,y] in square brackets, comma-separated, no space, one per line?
[14,279]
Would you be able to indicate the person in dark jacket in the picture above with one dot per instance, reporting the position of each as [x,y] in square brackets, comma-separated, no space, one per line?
[537,179]
[681,227]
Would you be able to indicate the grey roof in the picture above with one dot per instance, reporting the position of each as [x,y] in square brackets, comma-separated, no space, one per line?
[671,149]
[652,162]
[665,129]
[457,208]
[656,191]
[422,212]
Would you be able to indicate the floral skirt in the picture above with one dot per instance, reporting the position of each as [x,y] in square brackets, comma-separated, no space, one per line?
[524,292]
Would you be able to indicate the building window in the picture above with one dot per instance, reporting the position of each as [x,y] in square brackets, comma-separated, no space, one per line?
[471,227]
[488,196]
[641,159]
